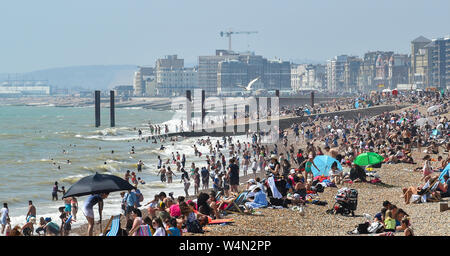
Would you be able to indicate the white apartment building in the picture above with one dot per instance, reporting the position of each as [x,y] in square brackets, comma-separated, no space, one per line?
[173,82]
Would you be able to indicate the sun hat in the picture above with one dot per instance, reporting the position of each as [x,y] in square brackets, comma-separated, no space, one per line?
[251,181]
[292,171]
[273,156]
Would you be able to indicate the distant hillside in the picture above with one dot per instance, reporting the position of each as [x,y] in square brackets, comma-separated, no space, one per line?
[87,77]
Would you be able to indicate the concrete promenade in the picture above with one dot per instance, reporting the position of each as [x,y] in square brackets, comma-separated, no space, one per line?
[241,128]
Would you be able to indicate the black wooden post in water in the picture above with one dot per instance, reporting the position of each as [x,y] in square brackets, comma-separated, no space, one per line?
[312,99]
[112,110]
[97,108]
[203,109]
[247,117]
[188,110]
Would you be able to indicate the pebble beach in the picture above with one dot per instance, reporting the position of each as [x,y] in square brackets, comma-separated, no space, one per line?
[426,218]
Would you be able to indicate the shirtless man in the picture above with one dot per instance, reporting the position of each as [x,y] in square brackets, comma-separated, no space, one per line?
[139,166]
[31,211]
[162,171]
[127,176]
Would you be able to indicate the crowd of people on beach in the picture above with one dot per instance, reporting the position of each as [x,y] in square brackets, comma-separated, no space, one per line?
[281,175]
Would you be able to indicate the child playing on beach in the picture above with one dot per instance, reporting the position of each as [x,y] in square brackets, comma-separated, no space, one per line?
[335,175]
[427,168]
[389,222]
[254,166]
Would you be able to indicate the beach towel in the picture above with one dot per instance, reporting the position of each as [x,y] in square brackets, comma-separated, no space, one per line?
[220,221]
[275,193]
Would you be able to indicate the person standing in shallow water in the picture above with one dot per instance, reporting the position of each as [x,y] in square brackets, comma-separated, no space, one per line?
[186,181]
[4,219]
[55,192]
[31,211]
[233,175]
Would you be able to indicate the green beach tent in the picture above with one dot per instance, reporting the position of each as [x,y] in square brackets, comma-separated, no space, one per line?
[368,158]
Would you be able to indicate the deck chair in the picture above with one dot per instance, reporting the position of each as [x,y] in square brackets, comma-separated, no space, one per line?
[427,189]
[234,205]
[144,230]
[114,223]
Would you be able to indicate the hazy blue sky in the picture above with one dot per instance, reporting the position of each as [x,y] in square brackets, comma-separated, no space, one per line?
[54,33]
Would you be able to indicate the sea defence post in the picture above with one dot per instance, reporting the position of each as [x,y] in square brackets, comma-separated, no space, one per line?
[112,116]
[188,110]
[97,108]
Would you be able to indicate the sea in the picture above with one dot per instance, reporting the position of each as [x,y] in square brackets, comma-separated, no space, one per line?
[35,140]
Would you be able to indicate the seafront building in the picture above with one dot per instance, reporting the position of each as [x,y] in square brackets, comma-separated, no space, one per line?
[308,77]
[18,88]
[225,72]
[430,63]
[352,66]
[172,78]
[123,90]
[439,68]
[208,70]
[420,58]
[335,73]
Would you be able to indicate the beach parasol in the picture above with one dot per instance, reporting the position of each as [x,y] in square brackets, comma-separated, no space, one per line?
[423,121]
[323,163]
[433,108]
[368,158]
[98,183]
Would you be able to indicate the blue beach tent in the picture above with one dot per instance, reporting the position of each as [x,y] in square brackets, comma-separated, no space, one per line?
[444,172]
[324,162]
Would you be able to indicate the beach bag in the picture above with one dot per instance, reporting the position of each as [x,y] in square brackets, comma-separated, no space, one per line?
[375,227]
[377,165]
[319,188]
[363,228]
[194,227]
[278,202]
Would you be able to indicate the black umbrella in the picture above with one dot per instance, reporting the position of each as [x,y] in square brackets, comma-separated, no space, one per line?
[98,183]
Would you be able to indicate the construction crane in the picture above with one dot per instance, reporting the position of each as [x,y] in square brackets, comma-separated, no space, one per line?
[229,33]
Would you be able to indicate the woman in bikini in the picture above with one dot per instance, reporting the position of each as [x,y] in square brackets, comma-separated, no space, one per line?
[74,203]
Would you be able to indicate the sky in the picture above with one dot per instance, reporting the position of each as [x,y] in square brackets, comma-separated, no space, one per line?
[53,33]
